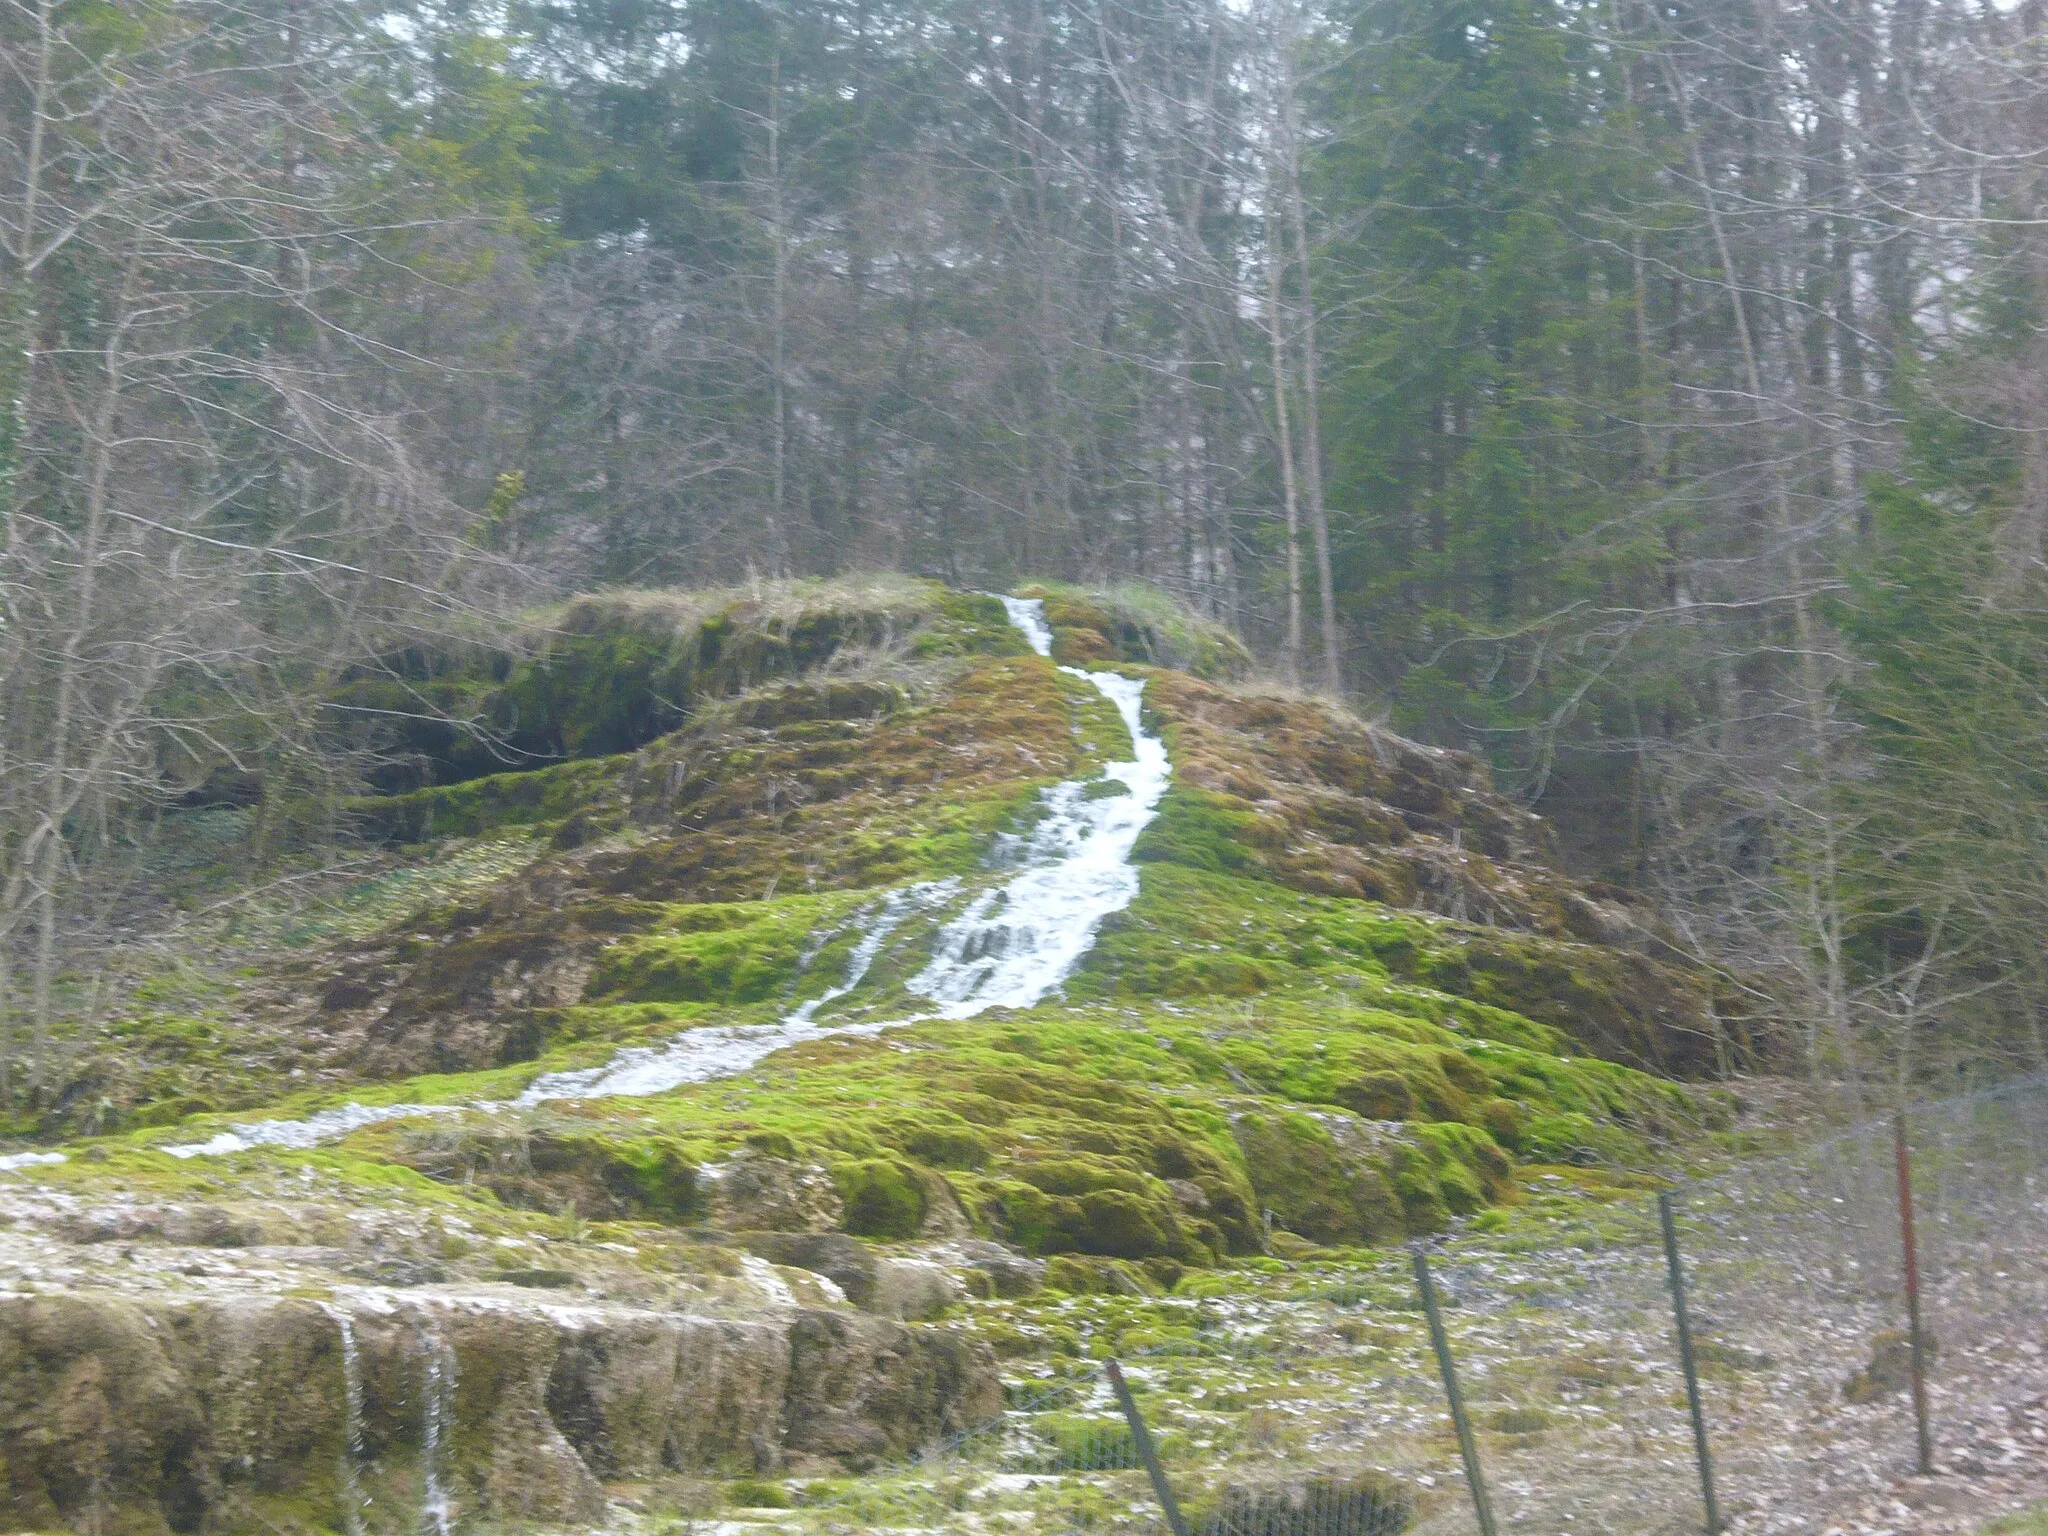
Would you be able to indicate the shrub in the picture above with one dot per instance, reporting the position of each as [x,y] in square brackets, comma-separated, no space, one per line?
[750,1494]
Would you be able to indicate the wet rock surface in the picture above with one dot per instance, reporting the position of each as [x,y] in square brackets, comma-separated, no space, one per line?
[198,1401]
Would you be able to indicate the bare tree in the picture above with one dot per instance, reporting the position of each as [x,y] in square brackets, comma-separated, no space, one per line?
[201,514]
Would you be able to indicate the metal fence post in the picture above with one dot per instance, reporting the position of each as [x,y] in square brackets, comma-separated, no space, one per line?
[1148,1453]
[1685,1358]
[1925,1465]
[1467,1448]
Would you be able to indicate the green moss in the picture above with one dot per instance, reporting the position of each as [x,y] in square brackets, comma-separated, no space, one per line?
[945,1142]
[1084,1443]
[569,1168]
[1573,1137]
[1469,1167]
[718,952]
[601,675]
[1098,1131]
[1200,829]
[1311,1187]
[486,804]
[1232,1047]
[884,1198]
[752,1494]
[920,793]
[1382,1096]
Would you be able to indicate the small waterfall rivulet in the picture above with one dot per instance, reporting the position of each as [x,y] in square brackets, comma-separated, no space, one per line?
[352,1500]
[437,1422]
[1011,945]
[1016,943]
[705,1054]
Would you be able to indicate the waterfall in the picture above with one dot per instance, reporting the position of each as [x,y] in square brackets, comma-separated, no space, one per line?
[712,1052]
[352,1500]
[1014,945]
[325,1126]
[1009,948]
[437,1423]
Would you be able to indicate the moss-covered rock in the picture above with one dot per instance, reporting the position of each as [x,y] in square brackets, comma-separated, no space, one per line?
[1135,623]
[551,795]
[603,674]
[565,1168]
[883,1197]
[1350,996]
[1326,1191]
[152,1417]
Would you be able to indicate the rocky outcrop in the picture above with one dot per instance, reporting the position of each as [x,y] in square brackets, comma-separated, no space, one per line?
[1295,792]
[132,1414]
[893,1286]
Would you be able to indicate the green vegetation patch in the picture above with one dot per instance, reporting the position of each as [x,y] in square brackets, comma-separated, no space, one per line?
[732,952]
[1155,1122]
[480,805]
[1198,930]
[1133,622]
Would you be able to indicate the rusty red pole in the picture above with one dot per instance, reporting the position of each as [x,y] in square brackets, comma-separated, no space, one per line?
[1905,1170]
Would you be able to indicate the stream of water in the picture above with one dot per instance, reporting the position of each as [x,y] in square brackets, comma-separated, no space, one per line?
[352,1422]
[1008,948]
[437,1421]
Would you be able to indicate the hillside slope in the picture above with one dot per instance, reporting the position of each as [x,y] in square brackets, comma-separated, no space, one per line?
[657,1099]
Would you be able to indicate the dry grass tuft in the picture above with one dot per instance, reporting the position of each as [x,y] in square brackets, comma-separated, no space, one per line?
[664,610]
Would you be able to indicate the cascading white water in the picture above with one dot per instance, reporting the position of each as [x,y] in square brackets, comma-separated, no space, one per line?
[705,1054]
[1008,949]
[324,1126]
[1011,946]
[437,1420]
[352,1500]
[1015,944]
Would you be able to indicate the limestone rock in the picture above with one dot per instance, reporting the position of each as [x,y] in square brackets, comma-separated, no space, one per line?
[753,1191]
[908,1289]
[229,1411]
[862,1389]
[1008,1272]
[912,1289]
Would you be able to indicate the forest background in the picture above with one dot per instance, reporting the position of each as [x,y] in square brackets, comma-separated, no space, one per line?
[1648,396]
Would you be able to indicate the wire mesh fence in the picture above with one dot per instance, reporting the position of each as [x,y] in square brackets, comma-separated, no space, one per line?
[1314,1403]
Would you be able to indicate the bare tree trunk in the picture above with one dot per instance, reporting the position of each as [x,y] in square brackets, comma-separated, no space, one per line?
[1283,432]
[1822,895]
[778,549]
[1289,155]
[65,788]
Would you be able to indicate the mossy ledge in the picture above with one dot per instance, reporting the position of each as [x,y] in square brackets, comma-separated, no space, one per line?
[1353,1001]
[295,1414]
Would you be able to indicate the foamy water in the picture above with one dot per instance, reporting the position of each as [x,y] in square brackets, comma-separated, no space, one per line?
[1015,944]
[700,1055]
[1009,947]
[326,1125]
